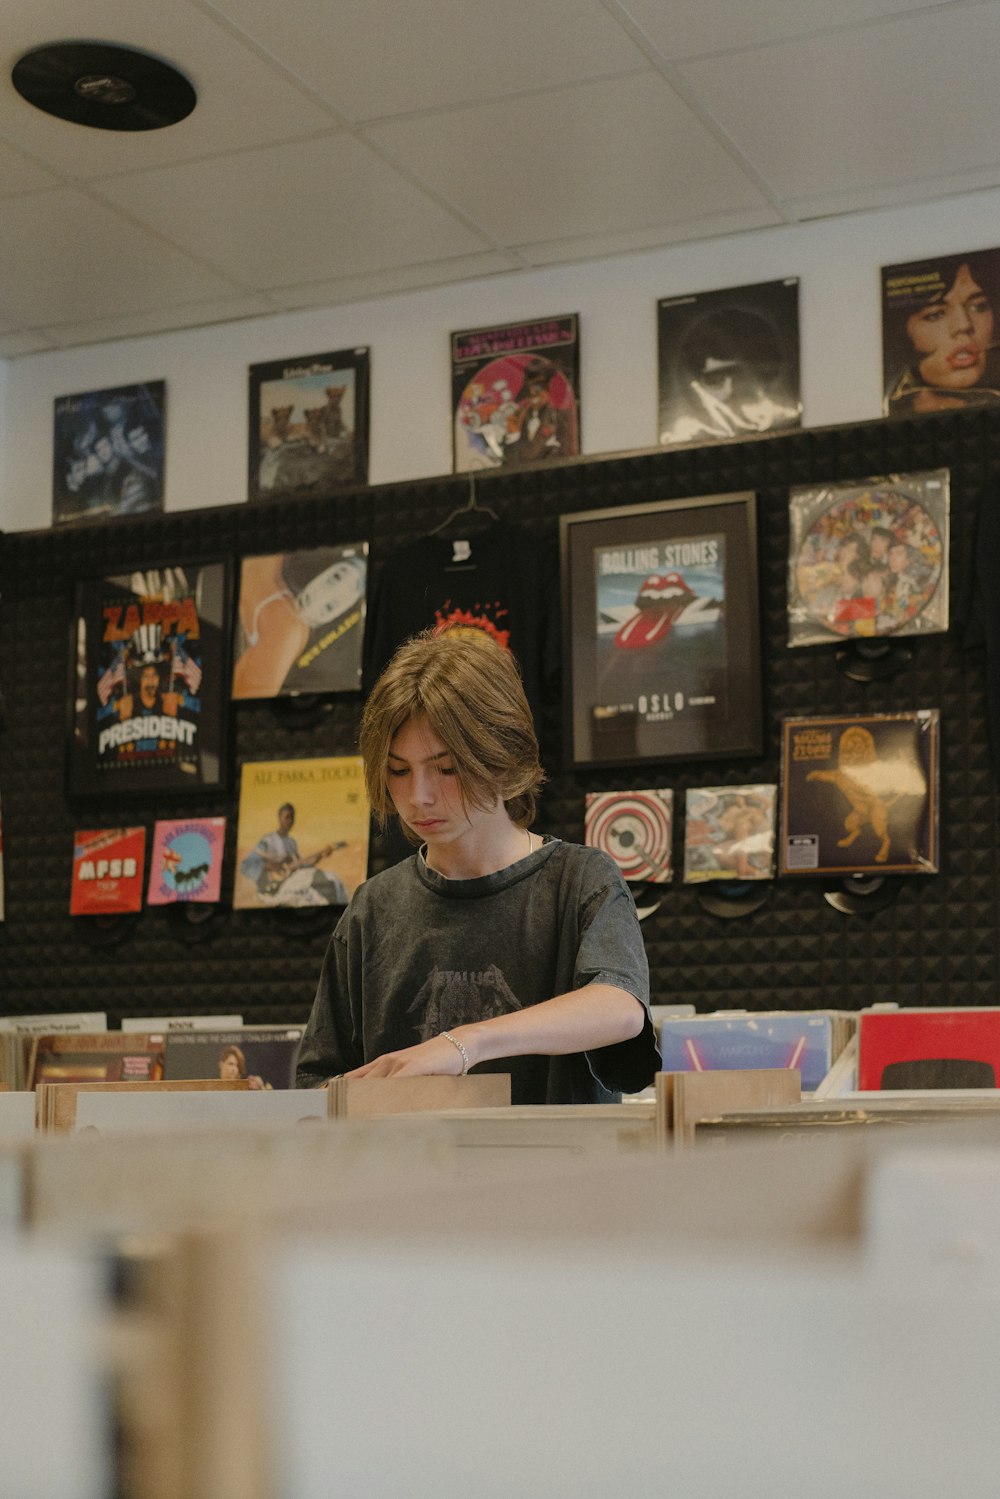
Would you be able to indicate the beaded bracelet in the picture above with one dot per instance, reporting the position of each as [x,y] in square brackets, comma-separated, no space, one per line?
[457,1043]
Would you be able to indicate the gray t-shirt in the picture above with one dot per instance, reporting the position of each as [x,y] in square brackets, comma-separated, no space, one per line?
[416,954]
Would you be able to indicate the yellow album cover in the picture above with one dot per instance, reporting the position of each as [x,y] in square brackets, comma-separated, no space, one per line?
[302,837]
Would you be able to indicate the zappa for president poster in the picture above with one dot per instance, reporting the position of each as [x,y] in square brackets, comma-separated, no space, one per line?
[150,680]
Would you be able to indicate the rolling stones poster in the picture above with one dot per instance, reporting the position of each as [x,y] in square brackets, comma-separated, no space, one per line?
[729,833]
[108,451]
[150,680]
[301,620]
[729,363]
[308,425]
[860,795]
[516,393]
[302,838]
[661,643]
[186,862]
[868,559]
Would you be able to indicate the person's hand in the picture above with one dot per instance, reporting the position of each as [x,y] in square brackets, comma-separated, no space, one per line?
[124,706]
[171,704]
[437,1057]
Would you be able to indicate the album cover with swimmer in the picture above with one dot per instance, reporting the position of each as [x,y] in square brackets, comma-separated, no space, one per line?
[860,796]
[869,559]
[301,622]
[729,833]
[636,829]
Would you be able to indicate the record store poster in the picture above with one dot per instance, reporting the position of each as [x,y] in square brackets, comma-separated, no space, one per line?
[661,649]
[108,450]
[151,680]
[729,363]
[860,795]
[516,393]
[868,560]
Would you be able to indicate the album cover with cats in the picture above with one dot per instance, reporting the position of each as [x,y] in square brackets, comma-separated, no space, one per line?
[868,559]
[729,363]
[860,795]
[308,425]
[300,622]
[516,393]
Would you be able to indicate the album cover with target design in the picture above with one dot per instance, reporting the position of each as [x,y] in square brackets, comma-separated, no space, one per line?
[636,829]
[868,559]
[729,833]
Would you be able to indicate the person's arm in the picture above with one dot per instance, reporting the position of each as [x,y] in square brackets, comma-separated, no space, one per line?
[328,1048]
[582,1020]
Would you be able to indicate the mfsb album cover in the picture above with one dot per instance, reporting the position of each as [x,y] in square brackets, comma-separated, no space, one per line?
[516,393]
[150,680]
[729,362]
[308,425]
[302,837]
[264,1056]
[108,866]
[939,333]
[729,833]
[301,622]
[186,862]
[868,559]
[636,829]
[860,795]
[108,451]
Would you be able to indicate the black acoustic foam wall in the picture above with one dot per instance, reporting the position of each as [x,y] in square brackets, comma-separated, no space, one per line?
[935,944]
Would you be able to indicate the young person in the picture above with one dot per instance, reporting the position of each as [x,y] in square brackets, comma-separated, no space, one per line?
[492,946]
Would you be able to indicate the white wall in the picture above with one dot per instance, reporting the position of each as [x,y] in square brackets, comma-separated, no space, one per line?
[837,261]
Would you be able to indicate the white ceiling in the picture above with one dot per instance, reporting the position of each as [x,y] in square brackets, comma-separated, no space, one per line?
[342,149]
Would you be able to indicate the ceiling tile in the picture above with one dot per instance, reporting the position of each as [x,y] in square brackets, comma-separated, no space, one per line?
[620,152]
[678,29]
[405,278]
[305,211]
[387,57]
[598,246]
[893,194]
[198,315]
[242,100]
[95,263]
[14,345]
[911,98]
[19,175]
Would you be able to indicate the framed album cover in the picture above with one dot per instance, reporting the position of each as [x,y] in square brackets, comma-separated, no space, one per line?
[150,680]
[107,452]
[868,559]
[860,795]
[939,334]
[308,425]
[516,393]
[301,622]
[661,640]
[729,362]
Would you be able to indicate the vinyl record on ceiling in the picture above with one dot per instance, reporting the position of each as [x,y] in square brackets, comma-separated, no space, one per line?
[100,84]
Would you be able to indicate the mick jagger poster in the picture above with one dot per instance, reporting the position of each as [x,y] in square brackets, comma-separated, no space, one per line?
[661,631]
[150,680]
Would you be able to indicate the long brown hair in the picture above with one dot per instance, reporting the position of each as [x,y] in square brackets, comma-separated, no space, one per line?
[469,691]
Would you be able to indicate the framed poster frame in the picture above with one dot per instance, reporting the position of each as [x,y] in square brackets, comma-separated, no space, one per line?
[174,616]
[297,449]
[654,667]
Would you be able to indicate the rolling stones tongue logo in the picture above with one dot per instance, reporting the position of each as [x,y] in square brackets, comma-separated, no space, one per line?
[662,598]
